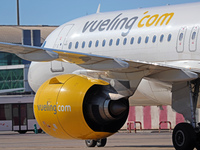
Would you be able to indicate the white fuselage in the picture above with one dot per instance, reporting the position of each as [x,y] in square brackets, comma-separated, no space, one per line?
[160,34]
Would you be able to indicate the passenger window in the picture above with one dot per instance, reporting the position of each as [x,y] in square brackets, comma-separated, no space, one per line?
[104,43]
[161,38]
[139,40]
[193,35]
[30,114]
[76,45]
[154,39]
[169,37]
[83,44]
[110,43]
[90,44]
[146,39]
[125,40]
[70,45]
[117,42]
[6,112]
[132,40]
[181,37]
[97,43]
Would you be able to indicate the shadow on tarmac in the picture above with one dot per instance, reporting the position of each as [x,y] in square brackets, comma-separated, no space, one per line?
[145,146]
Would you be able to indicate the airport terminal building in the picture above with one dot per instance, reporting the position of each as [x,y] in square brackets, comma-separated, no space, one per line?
[16,97]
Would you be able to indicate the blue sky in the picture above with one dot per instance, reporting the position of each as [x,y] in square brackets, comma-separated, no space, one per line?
[57,12]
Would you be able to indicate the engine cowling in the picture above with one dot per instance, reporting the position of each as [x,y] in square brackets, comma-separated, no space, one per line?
[72,106]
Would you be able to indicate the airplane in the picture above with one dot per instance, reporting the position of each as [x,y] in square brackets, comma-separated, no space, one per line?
[90,70]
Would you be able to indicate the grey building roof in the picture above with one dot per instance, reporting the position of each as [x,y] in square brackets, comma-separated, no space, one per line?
[13,34]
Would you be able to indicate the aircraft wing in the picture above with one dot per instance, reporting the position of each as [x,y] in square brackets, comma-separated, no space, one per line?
[103,63]
[30,53]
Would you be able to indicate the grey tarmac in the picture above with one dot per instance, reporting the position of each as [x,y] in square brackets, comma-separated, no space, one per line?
[143,140]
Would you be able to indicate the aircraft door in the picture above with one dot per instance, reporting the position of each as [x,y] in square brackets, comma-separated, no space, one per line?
[61,39]
[193,38]
[57,66]
[180,40]
[19,117]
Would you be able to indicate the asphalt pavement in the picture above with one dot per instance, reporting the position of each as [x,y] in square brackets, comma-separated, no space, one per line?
[143,140]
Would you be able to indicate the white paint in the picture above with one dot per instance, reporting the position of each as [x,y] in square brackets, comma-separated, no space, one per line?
[139,115]
[171,115]
[64,108]
[6,125]
[154,116]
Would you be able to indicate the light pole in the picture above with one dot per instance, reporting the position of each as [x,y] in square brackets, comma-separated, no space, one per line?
[18,20]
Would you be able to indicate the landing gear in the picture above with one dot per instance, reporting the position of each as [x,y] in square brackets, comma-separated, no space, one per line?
[101,142]
[22,131]
[90,143]
[98,143]
[183,137]
[185,96]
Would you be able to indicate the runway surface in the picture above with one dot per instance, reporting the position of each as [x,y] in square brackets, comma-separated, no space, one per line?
[144,140]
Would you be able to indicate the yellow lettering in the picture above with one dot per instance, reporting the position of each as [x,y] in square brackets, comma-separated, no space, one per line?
[152,20]
[165,16]
[140,25]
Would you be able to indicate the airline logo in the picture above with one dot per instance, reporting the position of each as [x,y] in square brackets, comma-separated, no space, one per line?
[125,23]
[49,107]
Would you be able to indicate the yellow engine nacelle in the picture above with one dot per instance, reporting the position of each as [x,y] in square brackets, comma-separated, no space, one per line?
[72,106]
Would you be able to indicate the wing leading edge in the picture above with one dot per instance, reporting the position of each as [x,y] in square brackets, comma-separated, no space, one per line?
[30,53]
[102,63]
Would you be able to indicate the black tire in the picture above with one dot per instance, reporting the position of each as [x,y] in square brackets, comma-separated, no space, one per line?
[198,139]
[22,131]
[183,137]
[90,143]
[39,130]
[101,142]
[198,146]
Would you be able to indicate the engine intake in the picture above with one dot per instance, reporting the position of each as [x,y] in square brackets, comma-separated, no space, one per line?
[101,113]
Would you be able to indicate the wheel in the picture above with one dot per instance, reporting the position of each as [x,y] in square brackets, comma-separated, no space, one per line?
[197,146]
[197,139]
[101,142]
[39,130]
[90,143]
[22,131]
[183,137]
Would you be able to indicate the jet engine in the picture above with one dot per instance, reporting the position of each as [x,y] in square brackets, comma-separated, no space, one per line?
[79,107]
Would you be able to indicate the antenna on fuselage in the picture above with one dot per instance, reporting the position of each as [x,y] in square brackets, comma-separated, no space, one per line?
[98,9]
